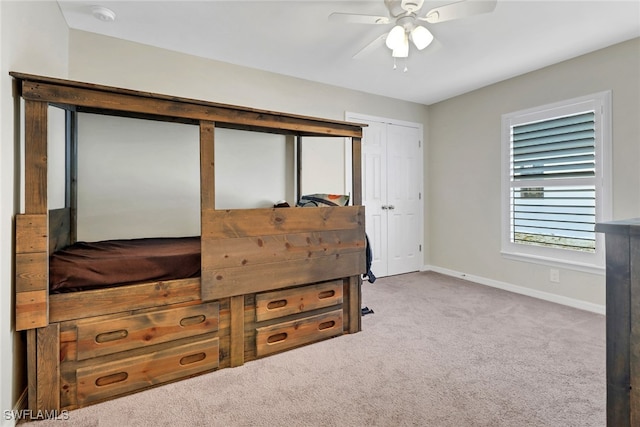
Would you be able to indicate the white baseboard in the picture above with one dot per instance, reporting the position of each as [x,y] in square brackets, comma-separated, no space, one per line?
[20,405]
[559,299]
[7,423]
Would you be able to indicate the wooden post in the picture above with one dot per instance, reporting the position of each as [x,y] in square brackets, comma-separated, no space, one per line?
[71,163]
[298,168]
[32,296]
[355,282]
[623,321]
[207,201]
[353,304]
[236,309]
[48,370]
[207,170]
[35,178]
[356,170]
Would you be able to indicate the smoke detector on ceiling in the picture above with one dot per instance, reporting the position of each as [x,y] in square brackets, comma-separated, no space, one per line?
[104,14]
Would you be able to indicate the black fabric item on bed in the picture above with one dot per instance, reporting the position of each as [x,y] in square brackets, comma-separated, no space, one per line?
[91,265]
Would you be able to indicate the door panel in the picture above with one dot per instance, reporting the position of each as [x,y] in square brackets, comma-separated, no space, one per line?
[403,152]
[374,171]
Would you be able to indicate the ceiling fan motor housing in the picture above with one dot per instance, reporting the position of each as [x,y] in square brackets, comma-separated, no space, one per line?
[411,5]
[403,7]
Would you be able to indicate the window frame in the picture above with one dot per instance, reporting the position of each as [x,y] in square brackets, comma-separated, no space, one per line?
[592,262]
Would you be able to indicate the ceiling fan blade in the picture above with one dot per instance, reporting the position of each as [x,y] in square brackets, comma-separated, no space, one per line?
[459,10]
[352,18]
[376,43]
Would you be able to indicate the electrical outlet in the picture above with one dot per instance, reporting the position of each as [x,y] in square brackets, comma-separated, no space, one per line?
[554,275]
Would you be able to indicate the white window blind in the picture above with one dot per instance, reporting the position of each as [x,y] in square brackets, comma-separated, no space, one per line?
[556,215]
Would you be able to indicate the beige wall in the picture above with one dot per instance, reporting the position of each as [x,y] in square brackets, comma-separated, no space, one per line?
[34,39]
[106,60]
[464,175]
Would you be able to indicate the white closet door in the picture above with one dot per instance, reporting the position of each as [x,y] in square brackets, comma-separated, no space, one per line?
[374,192]
[403,199]
[391,193]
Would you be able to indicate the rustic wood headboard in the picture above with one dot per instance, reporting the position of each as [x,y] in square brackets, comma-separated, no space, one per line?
[42,231]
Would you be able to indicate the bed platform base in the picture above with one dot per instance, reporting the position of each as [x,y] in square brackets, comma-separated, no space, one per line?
[271,280]
[98,357]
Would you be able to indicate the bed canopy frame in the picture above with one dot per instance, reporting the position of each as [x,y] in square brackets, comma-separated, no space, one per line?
[271,279]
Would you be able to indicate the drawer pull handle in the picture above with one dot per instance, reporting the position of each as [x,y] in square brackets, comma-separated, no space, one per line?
[112,336]
[326,294]
[112,379]
[276,304]
[193,320]
[273,339]
[192,358]
[326,325]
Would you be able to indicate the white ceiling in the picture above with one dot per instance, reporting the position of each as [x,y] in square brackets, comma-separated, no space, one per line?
[296,38]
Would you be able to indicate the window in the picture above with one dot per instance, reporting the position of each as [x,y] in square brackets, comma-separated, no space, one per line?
[555,182]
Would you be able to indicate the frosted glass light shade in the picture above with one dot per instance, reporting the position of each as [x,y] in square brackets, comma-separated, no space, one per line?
[402,51]
[396,37]
[421,37]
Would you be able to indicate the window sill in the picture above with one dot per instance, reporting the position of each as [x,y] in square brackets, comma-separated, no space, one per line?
[554,262]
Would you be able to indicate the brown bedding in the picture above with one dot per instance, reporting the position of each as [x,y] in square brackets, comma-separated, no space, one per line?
[91,265]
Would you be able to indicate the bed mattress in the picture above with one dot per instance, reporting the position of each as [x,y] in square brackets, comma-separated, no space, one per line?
[91,265]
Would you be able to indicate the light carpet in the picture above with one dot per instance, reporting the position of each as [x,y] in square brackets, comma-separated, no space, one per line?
[438,351]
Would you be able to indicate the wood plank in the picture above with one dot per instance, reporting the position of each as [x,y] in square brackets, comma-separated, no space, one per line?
[207,164]
[71,83]
[59,229]
[31,233]
[223,224]
[354,304]
[618,329]
[72,172]
[287,335]
[35,157]
[32,369]
[207,185]
[271,305]
[634,339]
[237,252]
[68,345]
[145,329]
[356,171]
[107,380]
[186,109]
[249,327]
[237,331]
[32,272]
[31,309]
[265,277]
[69,306]
[48,358]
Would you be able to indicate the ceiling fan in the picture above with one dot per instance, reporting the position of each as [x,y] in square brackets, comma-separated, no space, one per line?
[408,17]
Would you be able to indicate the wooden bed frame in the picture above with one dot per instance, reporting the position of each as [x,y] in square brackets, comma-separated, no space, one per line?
[272,279]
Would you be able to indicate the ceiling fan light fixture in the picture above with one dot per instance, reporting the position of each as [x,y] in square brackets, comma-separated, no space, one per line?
[421,37]
[396,37]
[402,51]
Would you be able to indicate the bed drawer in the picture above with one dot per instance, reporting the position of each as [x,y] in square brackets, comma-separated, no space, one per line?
[110,379]
[140,330]
[286,335]
[270,305]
